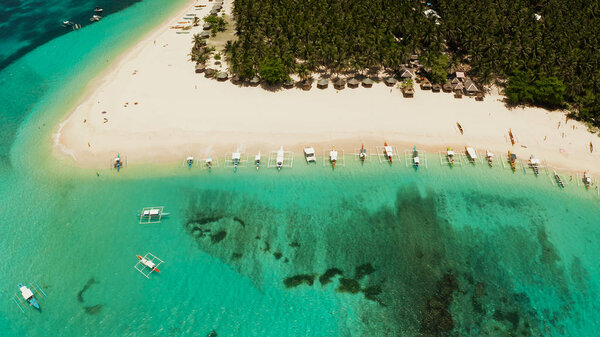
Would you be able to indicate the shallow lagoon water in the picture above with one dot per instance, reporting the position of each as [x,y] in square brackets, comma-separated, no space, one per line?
[469,251]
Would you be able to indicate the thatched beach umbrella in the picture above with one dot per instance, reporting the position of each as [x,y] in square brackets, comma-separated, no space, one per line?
[288,84]
[254,81]
[205,35]
[407,73]
[214,12]
[425,85]
[200,67]
[339,84]
[322,83]
[353,83]
[236,79]
[390,81]
[458,93]
[479,97]
[207,26]
[408,92]
[447,87]
[209,72]
[436,88]
[367,82]
[222,76]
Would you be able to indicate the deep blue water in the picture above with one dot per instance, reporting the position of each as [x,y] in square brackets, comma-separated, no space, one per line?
[27,24]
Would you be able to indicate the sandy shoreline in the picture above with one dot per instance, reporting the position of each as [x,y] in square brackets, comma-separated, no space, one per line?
[180,113]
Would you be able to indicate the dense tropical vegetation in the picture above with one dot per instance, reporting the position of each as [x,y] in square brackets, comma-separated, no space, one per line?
[545,52]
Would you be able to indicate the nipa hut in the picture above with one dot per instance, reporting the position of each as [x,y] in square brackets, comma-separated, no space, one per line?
[436,88]
[390,81]
[457,93]
[322,83]
[236,79]
[425,85]
[479,97]
[353,83]
[306,84]
[367,82]
[254,81]
[470,87]
[222,76]
[207,26]
[339,84]
[205,35]
[406,73]
[288,84]
[447,87]
[408,92]
[209,73]
[200,68]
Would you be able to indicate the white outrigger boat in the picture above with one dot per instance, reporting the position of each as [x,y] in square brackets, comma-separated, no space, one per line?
[117,163]
[490,158]
[472,154]
[208,162]
[388,152]
[309,155]
[95,18]
[26,296]
[257,161]
[363,153]
[148,264]
[98,10]
[450,155]
[535,164]
[333,155]
[587,180]
[416,160]
[190,161]
[152,214]
[235,159]
[280,158]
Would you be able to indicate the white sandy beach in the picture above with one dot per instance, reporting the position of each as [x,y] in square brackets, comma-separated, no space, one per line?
[159,110]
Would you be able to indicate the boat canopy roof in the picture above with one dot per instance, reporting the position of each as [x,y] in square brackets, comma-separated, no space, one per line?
[148,263]
[190,158]
[309,150]
[257,157]
[236,155]
[388,150]
[26,292]
[208,160]
[333,154]
[154,211]
[450,153]
[471,153]
[535,160]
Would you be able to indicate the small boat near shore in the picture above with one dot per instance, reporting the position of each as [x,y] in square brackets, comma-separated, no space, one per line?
[27,295]
[95,18]
[208,162]
[235,159]
[587,180]
[98,10]
[535,164]
[450,155]
[512,159]
[257,161]
[459,127]
[416,160]
[309,155]
[117,163]
[280,158]
[388,152]
[558,180]
[362,155]
[148,264]
[490,158]
[333,155]
[471,154]
[190,161]
[512,138]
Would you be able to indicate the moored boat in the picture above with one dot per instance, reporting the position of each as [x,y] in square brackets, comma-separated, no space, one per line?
[388,152]
[534,163]
[208,162]
[512,159]
[490,158]
[459,127]
[363,153]
[280,158]
[257,161]
[558,180]
[309,154]
[450,155]
[235,159]
[587,180]
[148,263]
[512,138]
[28,296]
[471,154]
[333,155]
[416,160]
[152,213]
[95,18]
[98,10]
[117,163]
[190,161]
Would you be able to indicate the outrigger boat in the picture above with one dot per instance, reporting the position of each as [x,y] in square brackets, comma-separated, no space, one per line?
[152,212]
[416,160]
[209,163]
[387,150]
[309,154]
[459,127]
[471,153]
[591,147]
[512,158]
[190,161]
[512,138]
[28,296]
[587,180]
[257,161]
[490,158]
[558,180]
[534,163]
[280,158]
[117,162]
[98,10]
[235,158]
[363,153]
[148,264]
[450,155]
[95,18]
[333,154]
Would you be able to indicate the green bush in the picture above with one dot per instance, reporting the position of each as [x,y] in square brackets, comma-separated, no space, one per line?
[273,71]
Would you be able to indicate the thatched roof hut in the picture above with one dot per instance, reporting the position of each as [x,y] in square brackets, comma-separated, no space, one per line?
[200,68]
[447,87]
[205,35]
[288,84]
[458,87]
[470,87]
[222,76]
[457,93]
[479,97]
[353,83]
[367,82]
[306,84]
[207,26]
[425,85]
[254,81]
[323,83]
[214,12]
[455,81]
[339,84]
[390,81]
[217,7]
[236,79]
[406,73]
[436,88]
[209,73]
[408,92]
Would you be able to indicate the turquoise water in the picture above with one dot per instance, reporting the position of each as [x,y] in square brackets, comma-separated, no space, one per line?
[470,250]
